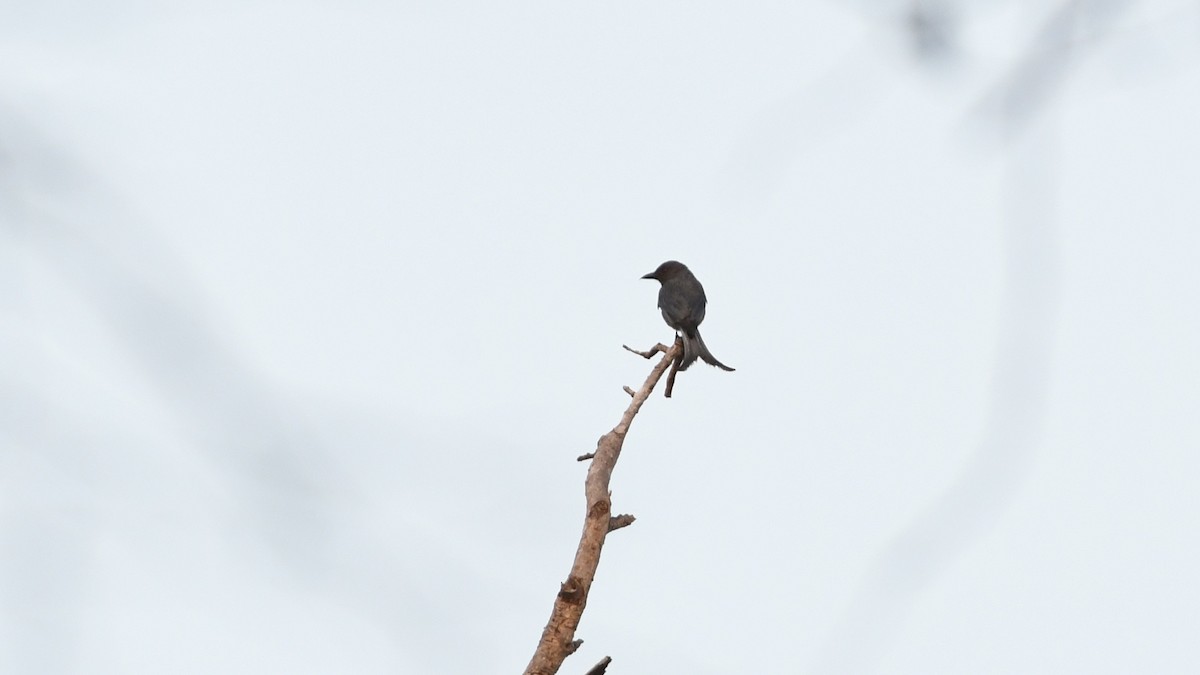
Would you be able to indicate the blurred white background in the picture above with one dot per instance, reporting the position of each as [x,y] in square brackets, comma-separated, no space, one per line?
[306,310]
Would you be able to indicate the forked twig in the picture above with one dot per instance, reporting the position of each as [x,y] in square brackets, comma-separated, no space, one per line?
[661,348]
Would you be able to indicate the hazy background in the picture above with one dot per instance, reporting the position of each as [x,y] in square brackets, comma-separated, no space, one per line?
[306,310]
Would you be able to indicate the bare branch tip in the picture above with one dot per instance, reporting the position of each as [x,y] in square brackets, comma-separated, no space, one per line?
[600,668]
[629,391]
[585,457]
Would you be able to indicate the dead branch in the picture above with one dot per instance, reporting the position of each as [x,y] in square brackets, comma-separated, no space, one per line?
[558,636]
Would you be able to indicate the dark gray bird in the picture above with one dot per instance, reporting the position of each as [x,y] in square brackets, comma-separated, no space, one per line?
[682,302]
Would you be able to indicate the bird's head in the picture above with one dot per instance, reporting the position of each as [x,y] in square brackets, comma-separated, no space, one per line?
[667,271]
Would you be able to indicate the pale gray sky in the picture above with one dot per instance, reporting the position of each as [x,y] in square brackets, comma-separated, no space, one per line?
[307,309]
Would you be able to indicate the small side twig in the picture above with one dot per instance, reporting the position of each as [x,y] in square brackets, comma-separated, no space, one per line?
[674,369]
[659,348]
[617,522]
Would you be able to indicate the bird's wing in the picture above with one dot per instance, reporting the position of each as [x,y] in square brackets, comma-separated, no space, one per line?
[696,311]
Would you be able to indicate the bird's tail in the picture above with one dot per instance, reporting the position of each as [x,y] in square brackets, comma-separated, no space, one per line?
[693,348]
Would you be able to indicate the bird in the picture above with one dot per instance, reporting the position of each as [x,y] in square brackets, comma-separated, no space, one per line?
[681,299]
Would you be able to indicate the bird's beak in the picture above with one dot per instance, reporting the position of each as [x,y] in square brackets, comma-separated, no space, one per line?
[649,276]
